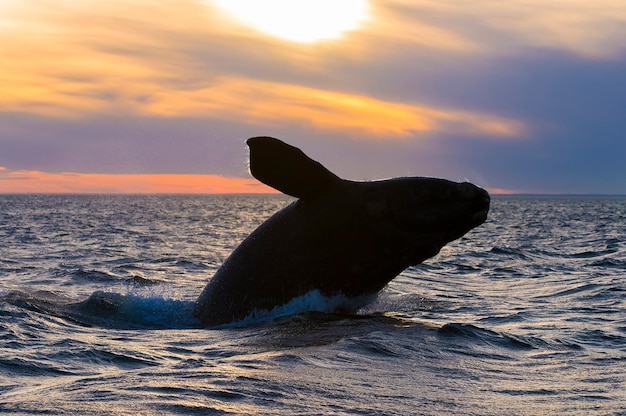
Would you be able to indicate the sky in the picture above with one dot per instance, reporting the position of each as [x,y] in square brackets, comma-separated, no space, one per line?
[522,96]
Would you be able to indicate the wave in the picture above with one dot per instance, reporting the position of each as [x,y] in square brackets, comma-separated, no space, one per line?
[139,310]
[477,336]
[142,308]
[81,274]
[111,310]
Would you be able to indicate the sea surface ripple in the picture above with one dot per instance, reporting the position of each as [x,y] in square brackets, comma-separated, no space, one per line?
[524,315]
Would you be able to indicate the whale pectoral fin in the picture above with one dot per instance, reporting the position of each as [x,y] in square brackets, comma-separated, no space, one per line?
[287,169]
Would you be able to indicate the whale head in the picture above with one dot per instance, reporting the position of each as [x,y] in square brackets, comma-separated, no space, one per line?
[426,212]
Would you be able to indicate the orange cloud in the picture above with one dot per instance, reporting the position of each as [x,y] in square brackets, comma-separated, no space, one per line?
[591,29]
[401,25]
[509,191]
[76,61]
[67,182]
[276,103]
[505,191]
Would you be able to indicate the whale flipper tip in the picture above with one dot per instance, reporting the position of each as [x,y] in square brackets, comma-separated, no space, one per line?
[287,169]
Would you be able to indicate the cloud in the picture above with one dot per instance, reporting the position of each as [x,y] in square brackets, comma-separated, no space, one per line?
[441,88]
[96,64]
[123,144]
[590,29]
[594,30]
[268,102]
[246,100]
[408,22]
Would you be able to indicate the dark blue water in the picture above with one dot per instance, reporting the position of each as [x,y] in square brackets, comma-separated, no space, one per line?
[525,315]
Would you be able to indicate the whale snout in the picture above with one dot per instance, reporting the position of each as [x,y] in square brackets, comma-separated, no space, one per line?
[479,201]
[468,190]
[439,206]
[464,212]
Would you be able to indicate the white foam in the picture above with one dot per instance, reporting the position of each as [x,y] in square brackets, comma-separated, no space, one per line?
[312,301]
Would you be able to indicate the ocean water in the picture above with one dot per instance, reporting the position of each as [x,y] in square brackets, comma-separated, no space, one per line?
[525,315]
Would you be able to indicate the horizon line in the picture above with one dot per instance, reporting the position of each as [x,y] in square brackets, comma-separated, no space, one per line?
[277,193]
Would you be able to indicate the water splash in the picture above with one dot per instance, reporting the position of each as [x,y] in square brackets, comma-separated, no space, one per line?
[312,301]
[134,311]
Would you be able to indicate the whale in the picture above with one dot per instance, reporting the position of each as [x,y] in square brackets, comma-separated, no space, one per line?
[339,238]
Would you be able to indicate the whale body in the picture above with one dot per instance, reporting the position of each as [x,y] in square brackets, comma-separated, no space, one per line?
[340,237]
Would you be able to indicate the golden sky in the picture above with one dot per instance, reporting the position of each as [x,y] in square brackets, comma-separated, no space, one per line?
[115,96]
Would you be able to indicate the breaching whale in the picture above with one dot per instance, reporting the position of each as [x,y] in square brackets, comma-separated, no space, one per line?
[340,237]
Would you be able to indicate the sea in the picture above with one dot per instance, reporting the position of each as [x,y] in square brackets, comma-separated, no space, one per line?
[525,315]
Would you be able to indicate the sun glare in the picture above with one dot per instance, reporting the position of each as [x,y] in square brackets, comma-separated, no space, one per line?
[305,21]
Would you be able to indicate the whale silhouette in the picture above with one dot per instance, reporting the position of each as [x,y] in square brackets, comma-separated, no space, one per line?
[340,238]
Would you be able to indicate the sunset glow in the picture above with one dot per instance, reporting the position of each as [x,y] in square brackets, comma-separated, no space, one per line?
[92,183]
[298,21]
[275,103]
[482,91]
